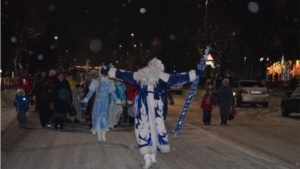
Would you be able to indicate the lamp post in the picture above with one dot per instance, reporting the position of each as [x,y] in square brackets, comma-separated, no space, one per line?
[207,21]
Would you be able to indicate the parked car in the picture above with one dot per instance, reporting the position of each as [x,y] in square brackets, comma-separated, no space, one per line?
[291,102]
[176,89]
[250,92]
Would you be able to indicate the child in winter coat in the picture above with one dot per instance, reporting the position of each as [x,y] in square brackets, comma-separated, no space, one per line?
[21,102]
[207,104]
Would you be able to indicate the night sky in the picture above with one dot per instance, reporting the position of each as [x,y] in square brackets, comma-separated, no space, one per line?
[79,23]
[112,22]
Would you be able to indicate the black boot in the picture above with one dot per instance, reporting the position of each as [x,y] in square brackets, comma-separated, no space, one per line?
[56,121]
[225,121]
[222,121]
[61,122]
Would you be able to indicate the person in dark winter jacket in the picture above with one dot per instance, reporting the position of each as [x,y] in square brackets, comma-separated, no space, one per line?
[167,98]
[62,98]
[225,100]
[207,104]
[131,97]
[21,102]
[219,82]
[41,92]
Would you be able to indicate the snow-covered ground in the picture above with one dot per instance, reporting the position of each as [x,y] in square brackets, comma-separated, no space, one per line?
[8,112]
[257,138]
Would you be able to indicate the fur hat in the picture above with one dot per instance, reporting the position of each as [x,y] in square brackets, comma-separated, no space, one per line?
[21,92]
[111,65]
[52,73]
[210,90]
[157,64]
[94,72]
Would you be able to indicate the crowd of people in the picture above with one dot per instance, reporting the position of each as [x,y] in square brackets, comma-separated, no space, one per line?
[140,97]
[55,92]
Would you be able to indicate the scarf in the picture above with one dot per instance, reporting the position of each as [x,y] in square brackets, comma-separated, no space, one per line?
[208,100]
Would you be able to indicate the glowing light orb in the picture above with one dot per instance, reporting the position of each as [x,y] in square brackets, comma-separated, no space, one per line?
[96,45]
[51,7]
[143,10]
[13,39]
[172,37]
[253,7]
[40,56]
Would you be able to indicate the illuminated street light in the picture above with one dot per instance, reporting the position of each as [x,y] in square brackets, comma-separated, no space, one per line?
[55,37]
[261,59]
[120,46]
[134,45]
[132,34]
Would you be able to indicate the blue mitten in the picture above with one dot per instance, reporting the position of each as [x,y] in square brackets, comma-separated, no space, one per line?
[104,70]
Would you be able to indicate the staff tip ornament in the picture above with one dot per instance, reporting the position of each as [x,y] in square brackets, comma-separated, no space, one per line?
[191,93]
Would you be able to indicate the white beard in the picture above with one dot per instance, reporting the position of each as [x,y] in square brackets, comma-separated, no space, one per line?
[147,76]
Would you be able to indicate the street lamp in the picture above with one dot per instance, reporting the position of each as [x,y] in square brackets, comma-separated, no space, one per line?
[55,37]
[207,21]
[261,59]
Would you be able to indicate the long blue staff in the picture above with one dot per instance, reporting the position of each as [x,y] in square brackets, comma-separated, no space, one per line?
[192,92]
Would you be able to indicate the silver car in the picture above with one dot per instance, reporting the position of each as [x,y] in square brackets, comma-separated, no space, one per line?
[250,92]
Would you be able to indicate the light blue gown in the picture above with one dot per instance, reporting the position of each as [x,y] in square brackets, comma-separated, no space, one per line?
[101,103]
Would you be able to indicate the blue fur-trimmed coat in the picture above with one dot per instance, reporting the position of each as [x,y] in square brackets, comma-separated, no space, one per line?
[150,130]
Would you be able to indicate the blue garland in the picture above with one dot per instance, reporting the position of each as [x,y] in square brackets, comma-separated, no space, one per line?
[192,92]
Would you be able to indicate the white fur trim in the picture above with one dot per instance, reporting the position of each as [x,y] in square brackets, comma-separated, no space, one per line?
[118,102]
[147,76]
[21,92]
[85,100]
[123,102]
[192,75]
[157,64]
[164,76]
[129,102]
[94,85]
[112,72]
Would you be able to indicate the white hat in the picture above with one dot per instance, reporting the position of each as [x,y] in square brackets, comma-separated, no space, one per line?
[157,64]
[21,91]
[94,71]
[52,72]
[111,65]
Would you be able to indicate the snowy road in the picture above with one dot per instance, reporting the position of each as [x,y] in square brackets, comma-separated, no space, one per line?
[257,138]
